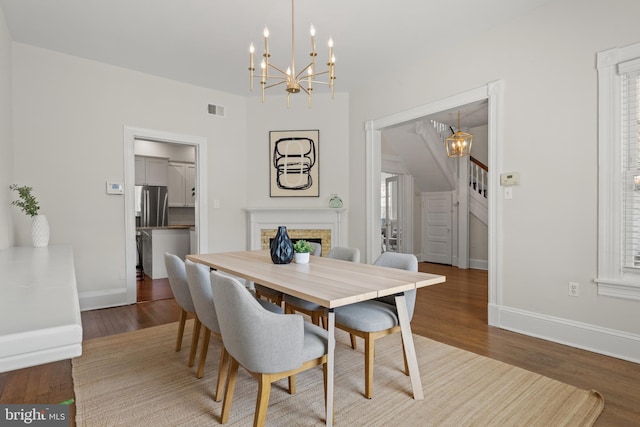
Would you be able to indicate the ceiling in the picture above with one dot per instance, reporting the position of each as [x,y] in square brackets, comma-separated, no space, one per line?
[206,42]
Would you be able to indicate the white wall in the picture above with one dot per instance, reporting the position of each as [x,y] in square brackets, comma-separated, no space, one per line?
[6,143]
[547,63]
[330,116]
[69,115]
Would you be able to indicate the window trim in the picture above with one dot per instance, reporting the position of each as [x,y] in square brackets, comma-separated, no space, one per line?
[613,279]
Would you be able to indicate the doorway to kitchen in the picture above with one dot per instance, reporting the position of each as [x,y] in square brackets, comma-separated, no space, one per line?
[177,222]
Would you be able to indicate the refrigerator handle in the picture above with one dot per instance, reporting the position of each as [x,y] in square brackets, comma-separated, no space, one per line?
[146,208]
[164,209]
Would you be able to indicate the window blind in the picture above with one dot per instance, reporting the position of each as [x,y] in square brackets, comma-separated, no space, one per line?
[630,74]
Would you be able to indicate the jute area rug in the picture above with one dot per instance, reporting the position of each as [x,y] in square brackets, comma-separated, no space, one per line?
[137,379]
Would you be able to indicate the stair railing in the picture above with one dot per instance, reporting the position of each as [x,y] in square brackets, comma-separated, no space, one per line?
[478,177]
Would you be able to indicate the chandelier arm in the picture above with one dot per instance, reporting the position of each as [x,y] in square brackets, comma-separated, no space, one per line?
[275,84]
[319,74]
[277,69]
[302,71]
[283,78]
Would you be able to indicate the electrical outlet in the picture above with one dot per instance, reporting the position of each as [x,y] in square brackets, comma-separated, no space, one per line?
[574,289]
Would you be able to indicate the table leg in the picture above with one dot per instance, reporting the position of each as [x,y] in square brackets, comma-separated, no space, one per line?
[331,329]
[409,348]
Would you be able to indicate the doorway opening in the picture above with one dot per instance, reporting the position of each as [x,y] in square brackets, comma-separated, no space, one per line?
[492,95]
[189,216]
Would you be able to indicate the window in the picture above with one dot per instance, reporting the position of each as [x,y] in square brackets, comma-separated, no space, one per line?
[619,172]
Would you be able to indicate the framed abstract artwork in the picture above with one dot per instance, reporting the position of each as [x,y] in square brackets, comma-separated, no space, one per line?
[294,168]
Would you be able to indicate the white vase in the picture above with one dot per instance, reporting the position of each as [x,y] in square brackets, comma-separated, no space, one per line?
[40,231]
[302,257]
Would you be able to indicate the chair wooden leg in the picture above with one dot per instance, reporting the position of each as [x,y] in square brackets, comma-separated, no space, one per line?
[354,344]
[262,403]
[222,373]
[183,321]
[203,352]
[194,340]
[292,384]
[368,365]
[315,318]
[228,394]
[278,300]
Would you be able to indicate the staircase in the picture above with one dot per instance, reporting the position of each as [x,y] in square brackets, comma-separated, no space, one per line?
[478,184]
[478,172]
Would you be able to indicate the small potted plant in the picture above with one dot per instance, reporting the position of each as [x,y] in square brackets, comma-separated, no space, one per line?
[29,205]
[302,250]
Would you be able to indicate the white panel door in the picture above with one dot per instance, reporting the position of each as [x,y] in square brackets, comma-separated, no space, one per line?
[437,219]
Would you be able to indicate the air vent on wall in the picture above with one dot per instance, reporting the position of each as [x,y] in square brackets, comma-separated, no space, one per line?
[216,110]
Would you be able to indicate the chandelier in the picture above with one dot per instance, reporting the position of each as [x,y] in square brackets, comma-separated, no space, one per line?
[294,82]
[459,144]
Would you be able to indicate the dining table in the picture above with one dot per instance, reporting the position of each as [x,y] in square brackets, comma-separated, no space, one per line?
[331,283]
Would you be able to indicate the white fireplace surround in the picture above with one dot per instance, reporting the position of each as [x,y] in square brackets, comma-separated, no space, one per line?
[296,218]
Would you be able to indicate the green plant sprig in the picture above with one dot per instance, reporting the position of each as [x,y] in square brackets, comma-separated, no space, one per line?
[302,246]
[28,202]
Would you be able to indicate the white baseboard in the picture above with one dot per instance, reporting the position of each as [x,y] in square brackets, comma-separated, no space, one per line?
[102,299]
[479,264]
[610,342]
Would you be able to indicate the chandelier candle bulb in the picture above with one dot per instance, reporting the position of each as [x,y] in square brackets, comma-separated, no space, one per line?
[266,51]
[252,68]
[312,30]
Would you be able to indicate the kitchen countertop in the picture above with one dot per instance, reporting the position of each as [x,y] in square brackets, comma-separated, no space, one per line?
[168,227]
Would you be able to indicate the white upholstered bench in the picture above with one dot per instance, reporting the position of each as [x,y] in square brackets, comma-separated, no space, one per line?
[39,308]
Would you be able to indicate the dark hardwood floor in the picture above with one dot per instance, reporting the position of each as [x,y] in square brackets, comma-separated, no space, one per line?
[152,290]
[454,313]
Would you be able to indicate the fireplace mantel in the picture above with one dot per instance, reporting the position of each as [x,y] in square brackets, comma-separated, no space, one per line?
[296,218]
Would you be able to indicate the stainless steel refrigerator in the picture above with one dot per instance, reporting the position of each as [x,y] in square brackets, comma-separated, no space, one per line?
[152,205]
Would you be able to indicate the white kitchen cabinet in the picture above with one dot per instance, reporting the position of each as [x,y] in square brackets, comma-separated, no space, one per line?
[182,183]
[152,171]
[155,242]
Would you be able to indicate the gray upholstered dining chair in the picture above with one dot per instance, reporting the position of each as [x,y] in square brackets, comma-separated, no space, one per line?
[277,297]
[180,288]
[268,345]
[377,318]
[199,280]
[315,311]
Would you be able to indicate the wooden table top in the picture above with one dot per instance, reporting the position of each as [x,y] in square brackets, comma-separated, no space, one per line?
[328,282]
